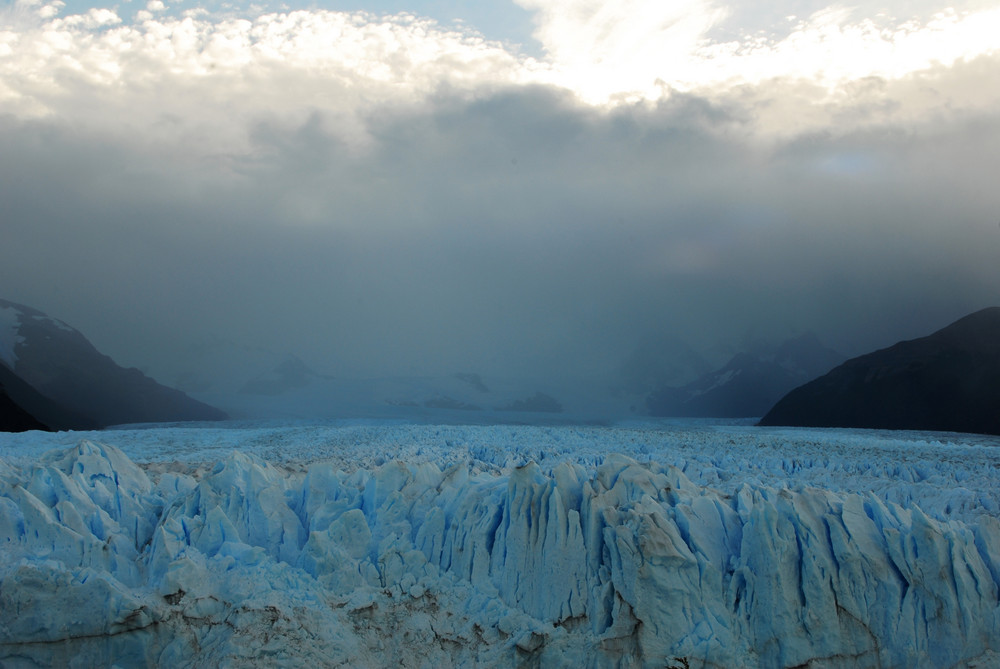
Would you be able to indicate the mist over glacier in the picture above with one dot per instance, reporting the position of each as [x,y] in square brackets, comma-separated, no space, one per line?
[372,543]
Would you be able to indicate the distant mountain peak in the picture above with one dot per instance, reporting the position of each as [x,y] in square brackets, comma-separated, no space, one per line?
[288,374]
[749,383]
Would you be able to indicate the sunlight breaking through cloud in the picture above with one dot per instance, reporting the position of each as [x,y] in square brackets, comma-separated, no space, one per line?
[604,52]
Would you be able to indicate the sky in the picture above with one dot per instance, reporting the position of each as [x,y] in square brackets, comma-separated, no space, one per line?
[530,188]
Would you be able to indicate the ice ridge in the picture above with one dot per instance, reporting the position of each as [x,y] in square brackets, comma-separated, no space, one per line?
[619,563]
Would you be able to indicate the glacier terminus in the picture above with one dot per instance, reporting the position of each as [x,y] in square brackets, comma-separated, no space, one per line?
[652,544]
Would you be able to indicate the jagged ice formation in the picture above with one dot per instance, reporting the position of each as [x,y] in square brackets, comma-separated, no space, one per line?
[607,561]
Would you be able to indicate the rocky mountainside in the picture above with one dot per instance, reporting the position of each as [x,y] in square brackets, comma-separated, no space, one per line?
[54,374]
[749,384]
[947,381]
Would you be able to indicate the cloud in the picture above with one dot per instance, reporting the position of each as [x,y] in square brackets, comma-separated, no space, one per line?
[383,195]
[831,49]
[203,66]
[641,49]
[609,49]
[520,233]
[203,71]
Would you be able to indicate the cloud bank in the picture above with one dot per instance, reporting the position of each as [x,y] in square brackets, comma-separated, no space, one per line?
[380,194]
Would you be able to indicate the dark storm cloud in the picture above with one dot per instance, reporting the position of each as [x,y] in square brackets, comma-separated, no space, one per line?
[516,233]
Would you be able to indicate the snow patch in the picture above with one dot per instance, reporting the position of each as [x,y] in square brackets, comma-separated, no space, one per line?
[721,380]
[55,322]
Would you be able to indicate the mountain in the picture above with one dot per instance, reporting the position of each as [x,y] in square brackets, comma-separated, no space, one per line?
[13,418]
[749,384]
[42,410]
[947,381]
[215,365]
[52,372]
[657,362]
[292,389]
[289,374]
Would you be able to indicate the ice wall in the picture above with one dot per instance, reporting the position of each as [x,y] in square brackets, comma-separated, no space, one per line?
[617,564]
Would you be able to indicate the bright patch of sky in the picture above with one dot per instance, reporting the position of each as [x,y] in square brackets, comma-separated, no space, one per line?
[499,20]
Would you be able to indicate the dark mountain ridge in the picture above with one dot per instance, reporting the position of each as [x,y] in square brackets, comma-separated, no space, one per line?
[42,409]
[59,378]
[946,381]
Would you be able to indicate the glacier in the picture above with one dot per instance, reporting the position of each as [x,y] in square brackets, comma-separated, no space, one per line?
[656,544]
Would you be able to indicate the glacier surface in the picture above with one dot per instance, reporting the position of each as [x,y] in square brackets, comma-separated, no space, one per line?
[375,544]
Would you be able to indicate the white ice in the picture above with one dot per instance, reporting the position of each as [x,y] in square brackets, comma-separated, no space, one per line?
[375,544]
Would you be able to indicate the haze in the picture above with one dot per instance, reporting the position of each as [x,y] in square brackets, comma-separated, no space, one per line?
[386,194]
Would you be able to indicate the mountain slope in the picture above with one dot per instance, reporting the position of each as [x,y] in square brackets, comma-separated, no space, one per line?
[947,381]
[71,385]
[749,384]
[13,418]
[44,410]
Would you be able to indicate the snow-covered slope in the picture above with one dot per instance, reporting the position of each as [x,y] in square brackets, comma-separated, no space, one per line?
[368,544]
